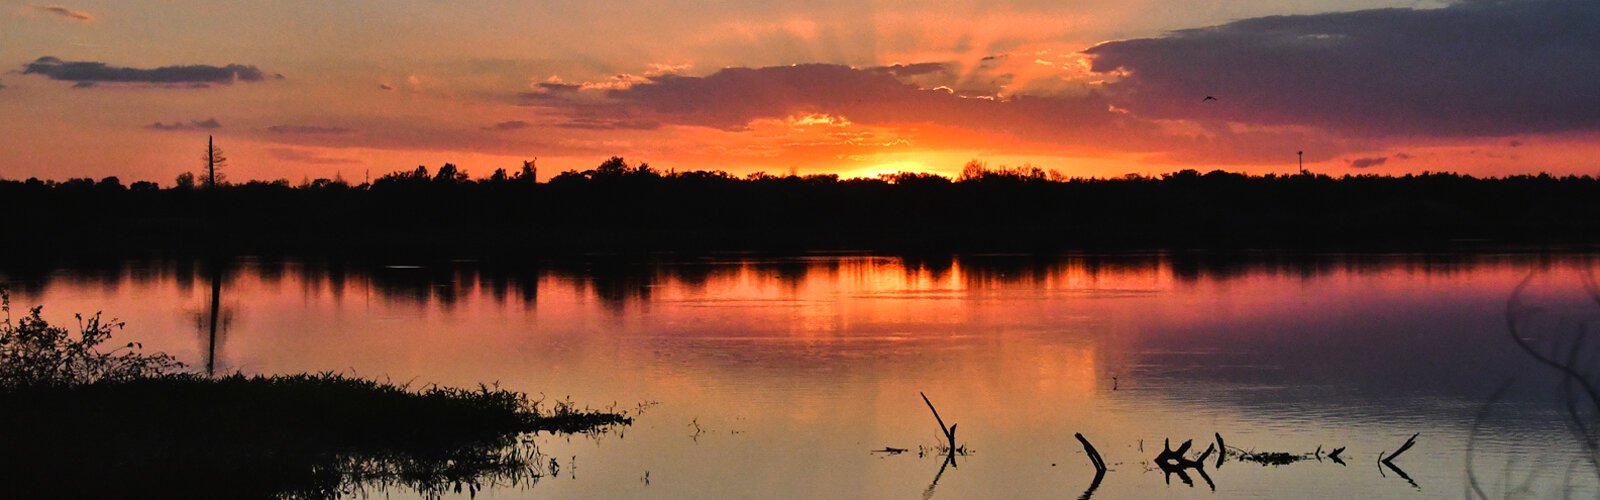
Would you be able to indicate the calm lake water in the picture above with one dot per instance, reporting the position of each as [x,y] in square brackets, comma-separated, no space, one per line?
[776,377]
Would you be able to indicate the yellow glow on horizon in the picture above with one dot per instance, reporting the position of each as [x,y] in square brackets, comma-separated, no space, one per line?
[874,171]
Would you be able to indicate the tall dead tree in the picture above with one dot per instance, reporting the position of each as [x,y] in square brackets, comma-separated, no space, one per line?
[214,160]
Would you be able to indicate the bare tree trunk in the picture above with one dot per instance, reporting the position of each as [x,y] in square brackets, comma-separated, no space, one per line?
[211,162]
[215,257]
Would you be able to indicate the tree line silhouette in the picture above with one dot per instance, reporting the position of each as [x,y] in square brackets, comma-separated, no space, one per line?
[623,207]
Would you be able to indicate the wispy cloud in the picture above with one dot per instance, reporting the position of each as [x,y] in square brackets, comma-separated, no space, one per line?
[304,156]
[308,130]
[658,69]
[1368,162]
[63,12]
[915,69]
[206,124]
[88,73]
[509,125]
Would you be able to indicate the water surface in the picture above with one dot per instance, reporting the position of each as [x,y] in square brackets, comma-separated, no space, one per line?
[775,377]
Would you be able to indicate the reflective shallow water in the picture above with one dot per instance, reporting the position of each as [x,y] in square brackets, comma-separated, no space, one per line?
[775,377]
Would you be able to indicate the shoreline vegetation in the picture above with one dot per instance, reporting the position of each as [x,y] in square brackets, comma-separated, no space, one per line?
[619,207]
[79,420]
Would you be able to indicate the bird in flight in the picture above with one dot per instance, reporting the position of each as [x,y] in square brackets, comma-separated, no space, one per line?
[1208,98]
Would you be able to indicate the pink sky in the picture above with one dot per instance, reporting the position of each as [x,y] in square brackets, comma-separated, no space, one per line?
[131,88]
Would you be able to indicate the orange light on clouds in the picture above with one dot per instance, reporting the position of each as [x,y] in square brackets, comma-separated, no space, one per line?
[1006,84]
[816,119]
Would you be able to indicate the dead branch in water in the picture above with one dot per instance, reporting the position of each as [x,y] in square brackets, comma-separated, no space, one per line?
[1176,458]
[949,432]
[1222,450]
[1389,461]
[1094,455]
[1273,457]
[1270,457]
[1172,462]
[1099,466]
[1402,449]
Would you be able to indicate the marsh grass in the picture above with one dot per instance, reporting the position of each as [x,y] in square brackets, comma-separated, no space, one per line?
[34,353]
[312,436]
[104,430]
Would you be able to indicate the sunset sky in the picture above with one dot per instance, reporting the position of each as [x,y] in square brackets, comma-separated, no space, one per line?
[296,89]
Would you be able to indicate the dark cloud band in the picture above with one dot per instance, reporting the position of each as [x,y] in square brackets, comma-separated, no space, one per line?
[1474,68]
[86,73]
[308,130]
[508,125]
[1368,162]
[206,124]
[732,98]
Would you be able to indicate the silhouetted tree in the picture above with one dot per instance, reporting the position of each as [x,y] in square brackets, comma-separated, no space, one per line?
[973,170]
[617,206]
[214,161]
[530,172]
[416,177]
[110,184]
[450,174]
[915,179]
[614,167]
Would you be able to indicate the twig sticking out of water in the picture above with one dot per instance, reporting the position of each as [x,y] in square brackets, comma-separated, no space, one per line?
[949,432]
[1099,466]
[1094,455]
[1335,455]
[1402,449]
[1389,461]
[1175,458]
[1222,450]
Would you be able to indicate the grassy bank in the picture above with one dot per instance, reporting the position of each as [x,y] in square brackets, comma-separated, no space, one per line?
[301,435]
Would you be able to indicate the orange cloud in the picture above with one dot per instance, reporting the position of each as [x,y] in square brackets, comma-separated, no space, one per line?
[63,12]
